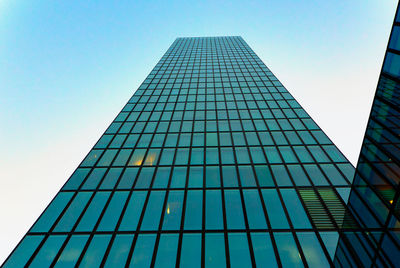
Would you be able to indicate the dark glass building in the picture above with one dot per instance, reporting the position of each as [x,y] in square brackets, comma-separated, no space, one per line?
[374,201]
[211,163]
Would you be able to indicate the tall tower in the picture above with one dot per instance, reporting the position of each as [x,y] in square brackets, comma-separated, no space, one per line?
[375,195]
[211,163]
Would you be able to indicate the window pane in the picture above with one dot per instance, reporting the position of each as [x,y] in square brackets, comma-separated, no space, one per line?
[239,250]
[49,250]
[72,251]
[191,251]
[178,179]
[113,212]
[93,212]
[143,251]
[76,179]
[247,176]
[128,178]
[229,176]
[24,251]
[312,250]
[52,212]
[213,209]
[133,210]
[295,209]
[173,211]
[214,250]
[151,219]
[195,177]
[212,177]
[111,178]
[167,249]
[119,251]
[94,179]
[264,176]
[263,250]
[288,252]
[144,178]
[194,210]
[234,210]
[255,213]
[162,177]
[276,214]
[95,252]
[281,176]
[73,212]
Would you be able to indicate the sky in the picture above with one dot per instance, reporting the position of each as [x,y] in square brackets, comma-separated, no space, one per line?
[68,67]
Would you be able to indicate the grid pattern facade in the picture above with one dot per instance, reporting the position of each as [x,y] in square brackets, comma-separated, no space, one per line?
[211,163]
[374,199]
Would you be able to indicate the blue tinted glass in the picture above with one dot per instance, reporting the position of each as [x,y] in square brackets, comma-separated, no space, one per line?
[182,156]
[229,176]
[197,156]
[263,250]
[167,249]
[94,179]
[73,212]
[257,155]
[111,178]
[195,177]
[212,177]
[272,155]
[151,218]
[194,211]
[24,251]
[264,176]
[52,212]
[76,179]
[275,211]
[144,178]
[392,64]
[239,250]
[162,177]
[312,250]
[49,250]
[247,176]
[295,209]
[95,252]
[152,157]
[104,141]
[113,212]
[316,175]
[173,211]
[128,178]
[107,158]
[122,157]
[330,240]
[93,212]
[178,179]
[119,251]
[242,155]
[143,251]
[234,210]
[72,251]
[333,174]
[91,158]
[191,251]
[137,157]
[254,210]
[167,157]
[298,175]
[133,210]
[213,209]
[214,250]
[227,156]
[288,252]
[281,176]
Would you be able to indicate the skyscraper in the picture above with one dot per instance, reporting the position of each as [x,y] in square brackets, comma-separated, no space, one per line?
[211,162]
[375,195]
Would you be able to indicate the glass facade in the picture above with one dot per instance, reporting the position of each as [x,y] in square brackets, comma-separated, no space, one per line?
[374,199]
[211,163]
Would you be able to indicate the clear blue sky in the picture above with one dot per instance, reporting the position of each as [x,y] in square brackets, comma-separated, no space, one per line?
[67,68]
